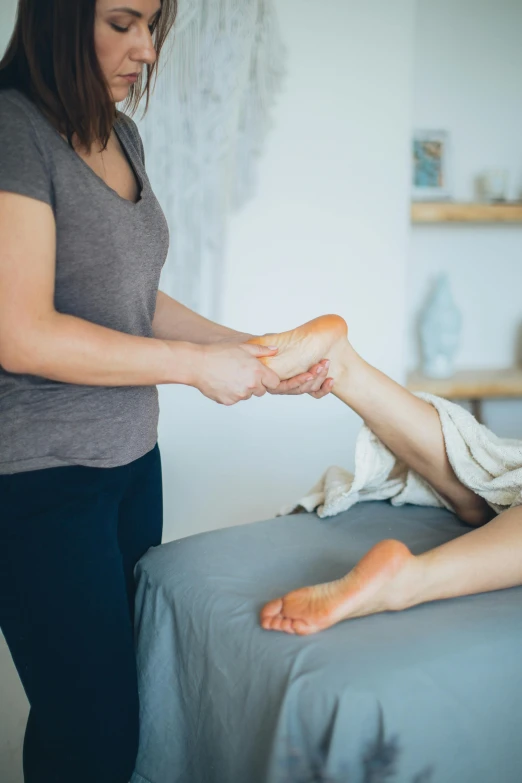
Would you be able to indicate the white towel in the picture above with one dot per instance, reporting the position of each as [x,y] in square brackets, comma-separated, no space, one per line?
[489,466]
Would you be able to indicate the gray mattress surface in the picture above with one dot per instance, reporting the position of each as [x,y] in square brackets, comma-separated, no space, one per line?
[429,695]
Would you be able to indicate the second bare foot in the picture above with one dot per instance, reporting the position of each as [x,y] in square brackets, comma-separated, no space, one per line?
[378,583]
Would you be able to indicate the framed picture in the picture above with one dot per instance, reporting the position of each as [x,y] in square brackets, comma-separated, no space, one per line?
[430,165]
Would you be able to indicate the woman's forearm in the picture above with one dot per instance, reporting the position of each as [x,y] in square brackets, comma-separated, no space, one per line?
[71,350]
[174,321]
[489,558]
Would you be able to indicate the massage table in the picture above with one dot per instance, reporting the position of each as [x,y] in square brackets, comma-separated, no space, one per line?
[432,694]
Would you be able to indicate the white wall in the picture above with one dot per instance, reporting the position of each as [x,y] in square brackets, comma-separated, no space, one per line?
[7,17]
[328,232]
[468,72]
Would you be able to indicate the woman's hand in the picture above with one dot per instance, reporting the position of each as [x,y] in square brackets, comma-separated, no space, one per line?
[315,382]
[228,373]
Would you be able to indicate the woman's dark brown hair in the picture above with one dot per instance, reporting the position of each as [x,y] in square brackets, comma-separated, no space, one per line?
[51,58]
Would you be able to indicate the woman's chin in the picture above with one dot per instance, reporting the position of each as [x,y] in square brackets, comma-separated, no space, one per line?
[120,93]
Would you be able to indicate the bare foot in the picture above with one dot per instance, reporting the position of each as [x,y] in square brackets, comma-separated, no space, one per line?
[299,349]
[378,583]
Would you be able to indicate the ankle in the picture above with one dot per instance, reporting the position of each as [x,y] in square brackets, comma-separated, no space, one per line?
[407,587]
[348,371]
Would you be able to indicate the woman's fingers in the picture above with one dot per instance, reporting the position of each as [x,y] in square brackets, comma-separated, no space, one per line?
[325,389]
[269,379]
[320,373]
[292,385]
[306,383]
[259,350]
[311,382]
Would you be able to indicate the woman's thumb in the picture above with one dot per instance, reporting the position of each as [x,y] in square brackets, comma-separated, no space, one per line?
[254,349]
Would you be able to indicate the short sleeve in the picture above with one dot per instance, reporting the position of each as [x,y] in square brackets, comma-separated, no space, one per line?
[140,144]
[132,133]
[23,166]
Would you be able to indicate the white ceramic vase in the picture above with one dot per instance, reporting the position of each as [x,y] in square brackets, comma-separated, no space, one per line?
[440,329]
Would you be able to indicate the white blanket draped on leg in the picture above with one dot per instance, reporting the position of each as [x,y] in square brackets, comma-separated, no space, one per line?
[488,465]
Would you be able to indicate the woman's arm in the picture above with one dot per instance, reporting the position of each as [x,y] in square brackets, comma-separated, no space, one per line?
[174,321]
[35,339]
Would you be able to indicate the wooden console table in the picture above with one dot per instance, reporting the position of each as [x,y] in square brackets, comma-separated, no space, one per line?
[472,385]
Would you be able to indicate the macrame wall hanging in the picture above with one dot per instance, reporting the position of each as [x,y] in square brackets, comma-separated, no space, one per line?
[205,128]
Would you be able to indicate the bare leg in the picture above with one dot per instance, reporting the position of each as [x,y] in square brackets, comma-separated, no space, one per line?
[408,426]
[389,577]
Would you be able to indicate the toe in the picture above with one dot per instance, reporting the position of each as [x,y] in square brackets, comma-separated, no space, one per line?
[277,623]
[272,608]
[301,628]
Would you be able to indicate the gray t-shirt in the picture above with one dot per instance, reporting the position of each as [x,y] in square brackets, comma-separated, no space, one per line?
[109,255]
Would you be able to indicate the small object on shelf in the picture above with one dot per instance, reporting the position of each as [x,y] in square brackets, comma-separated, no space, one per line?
[492,186]
[430,165]
[440,327]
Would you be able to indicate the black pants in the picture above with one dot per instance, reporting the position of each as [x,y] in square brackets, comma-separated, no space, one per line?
[69,540]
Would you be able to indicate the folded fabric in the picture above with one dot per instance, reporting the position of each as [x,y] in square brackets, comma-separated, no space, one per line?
[488,465]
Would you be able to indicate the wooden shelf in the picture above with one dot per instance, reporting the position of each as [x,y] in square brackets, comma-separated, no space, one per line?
[450,212]
[470,384]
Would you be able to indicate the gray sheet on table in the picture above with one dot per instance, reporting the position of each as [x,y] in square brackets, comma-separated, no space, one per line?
[433,693]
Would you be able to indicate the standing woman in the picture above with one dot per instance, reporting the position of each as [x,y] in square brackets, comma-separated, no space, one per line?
[85,336]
